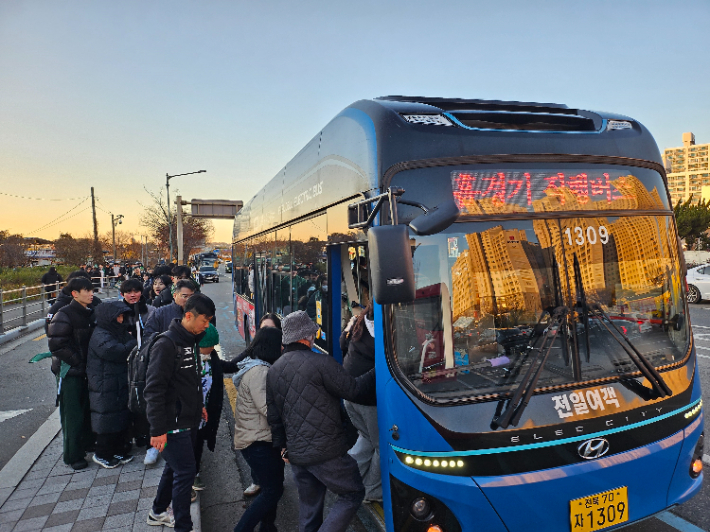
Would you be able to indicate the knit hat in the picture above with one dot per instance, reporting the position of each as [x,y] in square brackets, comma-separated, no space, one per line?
[297,326]
[211,337]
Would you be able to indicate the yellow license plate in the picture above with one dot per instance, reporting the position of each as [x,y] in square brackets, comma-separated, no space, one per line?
[599,511]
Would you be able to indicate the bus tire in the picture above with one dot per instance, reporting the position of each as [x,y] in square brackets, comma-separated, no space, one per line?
[693,294]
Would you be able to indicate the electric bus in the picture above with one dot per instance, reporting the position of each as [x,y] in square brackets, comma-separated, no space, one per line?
[534,358]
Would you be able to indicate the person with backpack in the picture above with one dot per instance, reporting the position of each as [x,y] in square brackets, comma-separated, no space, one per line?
[173,400]
[135,322]
[107,376]
[68,334]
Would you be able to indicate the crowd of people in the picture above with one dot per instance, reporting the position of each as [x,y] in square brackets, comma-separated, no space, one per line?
[288,406]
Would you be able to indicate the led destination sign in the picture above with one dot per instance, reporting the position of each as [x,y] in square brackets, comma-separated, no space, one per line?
[478,192]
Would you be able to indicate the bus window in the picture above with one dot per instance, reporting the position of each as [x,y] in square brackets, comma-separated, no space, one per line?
[281,268]
[309,284]
[485,290]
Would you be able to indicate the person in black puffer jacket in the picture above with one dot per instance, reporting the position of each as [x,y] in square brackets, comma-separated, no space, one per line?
[64,298]
[68,334]
[107,373]
[358,342]
[303,392]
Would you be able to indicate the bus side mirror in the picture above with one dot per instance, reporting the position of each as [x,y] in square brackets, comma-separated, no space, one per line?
[391,265]
[436,220]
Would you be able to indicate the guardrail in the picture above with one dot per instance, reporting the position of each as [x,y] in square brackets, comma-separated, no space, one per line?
[20,306]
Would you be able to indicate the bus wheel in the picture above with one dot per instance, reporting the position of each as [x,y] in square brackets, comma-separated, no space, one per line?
[693,294]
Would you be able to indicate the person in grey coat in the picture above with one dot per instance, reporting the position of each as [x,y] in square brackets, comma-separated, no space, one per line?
[107,374]
[303,392]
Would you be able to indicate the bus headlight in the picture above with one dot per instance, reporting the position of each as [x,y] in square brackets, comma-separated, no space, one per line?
[421,509]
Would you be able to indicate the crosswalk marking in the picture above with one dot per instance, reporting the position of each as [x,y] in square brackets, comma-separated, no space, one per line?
[9,414]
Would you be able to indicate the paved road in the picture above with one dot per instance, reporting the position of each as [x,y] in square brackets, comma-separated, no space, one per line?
[27,393]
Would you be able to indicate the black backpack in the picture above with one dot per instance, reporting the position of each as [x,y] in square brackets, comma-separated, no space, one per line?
[138,361]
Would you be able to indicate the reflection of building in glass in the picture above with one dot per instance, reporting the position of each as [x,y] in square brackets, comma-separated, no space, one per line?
[639,251]
[463,286]
[497,274]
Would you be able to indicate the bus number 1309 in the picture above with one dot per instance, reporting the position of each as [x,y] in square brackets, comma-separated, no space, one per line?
[590,233]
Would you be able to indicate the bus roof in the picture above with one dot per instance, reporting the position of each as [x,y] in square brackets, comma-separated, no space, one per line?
[353,152]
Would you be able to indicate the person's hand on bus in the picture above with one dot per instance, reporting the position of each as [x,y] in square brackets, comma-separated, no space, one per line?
[204,414]
[350,324]
[284,455]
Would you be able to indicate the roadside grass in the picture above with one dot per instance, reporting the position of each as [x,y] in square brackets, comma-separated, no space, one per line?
[13,278]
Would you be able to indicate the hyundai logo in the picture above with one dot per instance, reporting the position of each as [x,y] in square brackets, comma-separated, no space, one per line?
[594,448]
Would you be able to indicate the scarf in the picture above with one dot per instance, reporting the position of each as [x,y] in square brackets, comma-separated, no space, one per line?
[244,366]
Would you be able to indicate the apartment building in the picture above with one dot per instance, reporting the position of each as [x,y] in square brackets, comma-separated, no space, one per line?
[688,170]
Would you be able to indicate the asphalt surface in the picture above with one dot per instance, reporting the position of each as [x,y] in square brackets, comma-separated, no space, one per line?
[27,398]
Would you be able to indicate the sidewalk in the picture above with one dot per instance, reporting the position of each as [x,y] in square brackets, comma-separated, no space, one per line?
[53,497]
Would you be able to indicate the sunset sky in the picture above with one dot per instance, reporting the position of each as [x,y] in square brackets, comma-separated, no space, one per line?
[115,94]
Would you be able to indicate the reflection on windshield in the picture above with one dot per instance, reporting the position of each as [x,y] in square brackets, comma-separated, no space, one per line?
[486,290]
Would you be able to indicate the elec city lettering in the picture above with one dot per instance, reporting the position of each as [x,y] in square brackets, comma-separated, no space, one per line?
[579,403]
[522,188]
[303,197]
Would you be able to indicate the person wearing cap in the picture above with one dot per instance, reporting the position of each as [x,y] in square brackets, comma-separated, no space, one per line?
[303,393]
[212,392]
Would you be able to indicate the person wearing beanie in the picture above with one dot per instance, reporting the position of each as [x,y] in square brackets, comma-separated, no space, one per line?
[303,384]
[212,393]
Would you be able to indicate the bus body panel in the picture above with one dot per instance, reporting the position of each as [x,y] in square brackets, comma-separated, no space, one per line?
[360,151]
[540,500]
[461,495]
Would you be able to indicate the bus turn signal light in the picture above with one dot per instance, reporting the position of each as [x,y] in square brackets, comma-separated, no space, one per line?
[697,467]
[435,528]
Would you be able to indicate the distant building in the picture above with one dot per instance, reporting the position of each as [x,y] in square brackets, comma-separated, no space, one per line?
[688,170]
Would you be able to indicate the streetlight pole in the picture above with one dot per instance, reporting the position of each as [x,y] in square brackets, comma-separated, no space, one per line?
[114,221]
[170,221]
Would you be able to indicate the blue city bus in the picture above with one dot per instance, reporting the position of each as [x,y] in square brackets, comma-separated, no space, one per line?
[534,357]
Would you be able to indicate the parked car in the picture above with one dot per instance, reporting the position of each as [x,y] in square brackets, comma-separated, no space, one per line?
[698,281]
[208,273]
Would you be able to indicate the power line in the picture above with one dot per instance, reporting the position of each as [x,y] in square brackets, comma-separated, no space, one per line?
[48,224]
[39,199]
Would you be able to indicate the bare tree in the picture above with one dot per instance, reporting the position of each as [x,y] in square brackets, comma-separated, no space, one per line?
[12,250]
[155,219]
[74,251]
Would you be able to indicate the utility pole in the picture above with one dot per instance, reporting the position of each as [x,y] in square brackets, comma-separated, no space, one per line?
[113,236]
[178,202]
[98,255]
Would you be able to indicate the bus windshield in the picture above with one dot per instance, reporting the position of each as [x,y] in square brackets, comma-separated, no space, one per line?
[487,291]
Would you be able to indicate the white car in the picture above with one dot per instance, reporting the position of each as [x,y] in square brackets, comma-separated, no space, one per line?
[698,280]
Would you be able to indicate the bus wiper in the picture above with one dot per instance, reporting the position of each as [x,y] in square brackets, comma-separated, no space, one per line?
[657,382]
[570,348]
[582,302]
[524,392]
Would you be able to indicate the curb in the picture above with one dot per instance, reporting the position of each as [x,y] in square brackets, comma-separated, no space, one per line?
[17,332]
[196,515]
[23,460]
